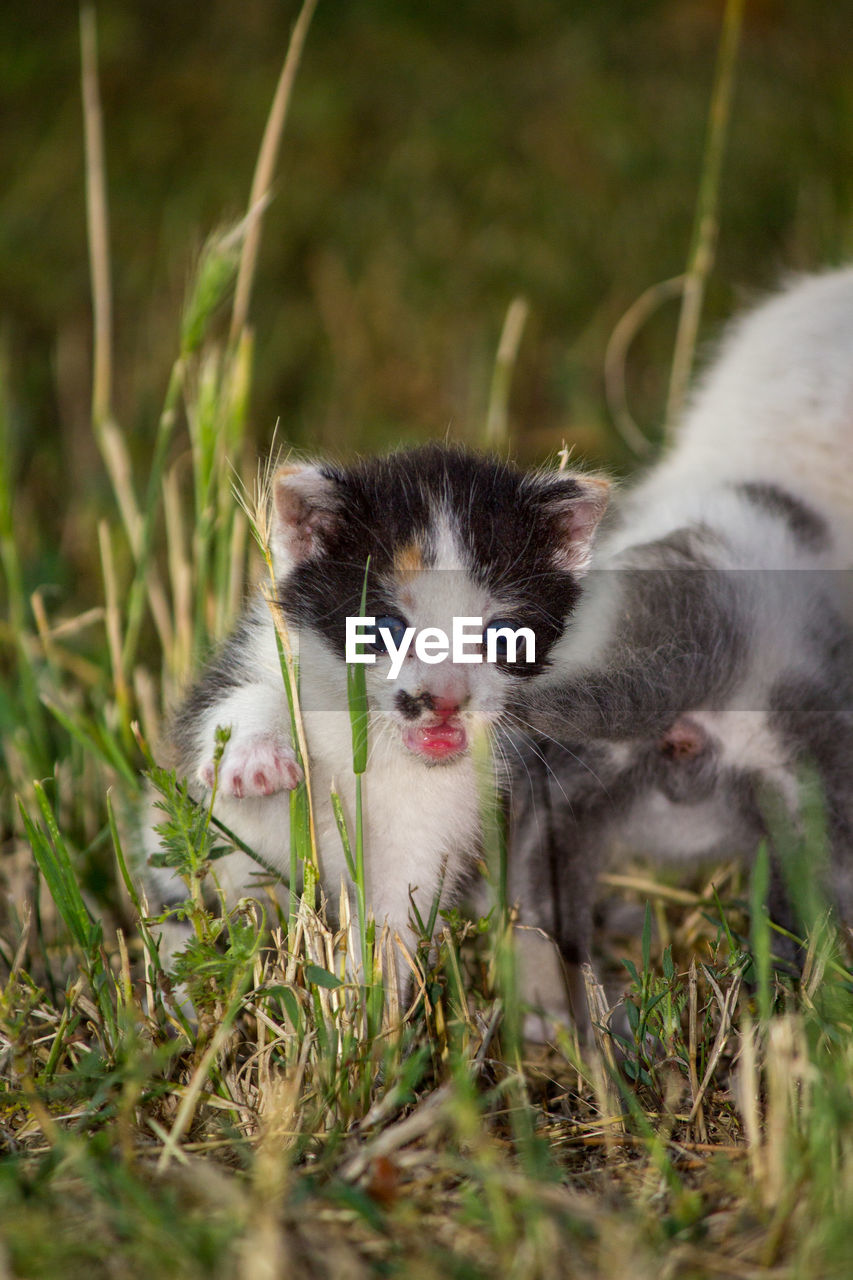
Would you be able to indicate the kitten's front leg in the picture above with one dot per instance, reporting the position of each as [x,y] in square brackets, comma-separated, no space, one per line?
[254,764]
[258,759]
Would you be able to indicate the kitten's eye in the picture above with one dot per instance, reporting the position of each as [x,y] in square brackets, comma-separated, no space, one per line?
[395,626]
[499,641]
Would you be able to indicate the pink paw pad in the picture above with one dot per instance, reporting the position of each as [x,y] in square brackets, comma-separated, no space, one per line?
[260,765]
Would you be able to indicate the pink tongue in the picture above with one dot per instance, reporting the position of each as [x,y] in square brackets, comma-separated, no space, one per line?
[437,740]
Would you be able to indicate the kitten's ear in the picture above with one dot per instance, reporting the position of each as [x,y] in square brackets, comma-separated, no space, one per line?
[306,504]
[577,504]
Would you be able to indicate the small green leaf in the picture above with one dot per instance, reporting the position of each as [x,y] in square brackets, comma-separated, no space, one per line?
[340,819]
[668,965]
[321,977]
[292,1007]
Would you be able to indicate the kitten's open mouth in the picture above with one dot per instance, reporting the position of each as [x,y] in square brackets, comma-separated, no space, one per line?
[437,741]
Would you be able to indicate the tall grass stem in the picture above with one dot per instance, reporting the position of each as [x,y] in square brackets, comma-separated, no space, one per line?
[705,225]
[265,167]
[497,417]
[98,219]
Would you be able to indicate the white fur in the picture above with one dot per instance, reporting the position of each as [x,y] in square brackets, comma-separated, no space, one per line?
[776,406]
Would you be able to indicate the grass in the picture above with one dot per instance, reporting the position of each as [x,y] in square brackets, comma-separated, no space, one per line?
[712,1137]
[307,1123]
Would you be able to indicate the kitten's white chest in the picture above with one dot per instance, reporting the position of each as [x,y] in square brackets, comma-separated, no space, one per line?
[420,823]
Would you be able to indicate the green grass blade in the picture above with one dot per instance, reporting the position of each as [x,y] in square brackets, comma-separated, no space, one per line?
[340,819]
[97,741]
[357,697]
[52,855]
[759,929]
[136,595]
[27,678]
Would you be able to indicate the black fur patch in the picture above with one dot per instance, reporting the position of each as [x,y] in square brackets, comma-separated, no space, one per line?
[410,707]
[225,672]
[806,525]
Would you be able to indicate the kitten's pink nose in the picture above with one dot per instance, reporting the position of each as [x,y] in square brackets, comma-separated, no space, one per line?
[445,707]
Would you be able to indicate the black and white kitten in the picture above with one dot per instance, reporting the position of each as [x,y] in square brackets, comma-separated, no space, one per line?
[448,535]
[711,654]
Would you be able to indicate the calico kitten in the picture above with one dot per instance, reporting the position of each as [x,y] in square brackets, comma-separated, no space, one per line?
[711,655]
[447,534]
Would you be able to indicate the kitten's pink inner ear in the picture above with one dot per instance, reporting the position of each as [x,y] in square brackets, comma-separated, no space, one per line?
[305,507]
[577,519]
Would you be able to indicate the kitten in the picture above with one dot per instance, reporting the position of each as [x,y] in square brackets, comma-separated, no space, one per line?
[448,535]
[711,654]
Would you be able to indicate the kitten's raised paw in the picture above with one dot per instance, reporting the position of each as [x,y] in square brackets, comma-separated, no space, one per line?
[258,765]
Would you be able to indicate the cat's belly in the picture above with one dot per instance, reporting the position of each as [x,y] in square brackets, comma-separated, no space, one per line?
[667,831]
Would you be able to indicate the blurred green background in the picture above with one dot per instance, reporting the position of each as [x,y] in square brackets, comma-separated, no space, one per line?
[439,159]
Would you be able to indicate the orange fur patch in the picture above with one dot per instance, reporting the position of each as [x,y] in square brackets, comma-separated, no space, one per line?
[409,559]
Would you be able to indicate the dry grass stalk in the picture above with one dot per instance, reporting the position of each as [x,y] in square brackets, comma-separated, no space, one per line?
[44,644]
[180,575]
[427,1118]
[290,661]
[616,360]
[23,944]
[648,888]
[693,1049]
[109,439]
[56,655]
[388,976]
[117,462]
[96,208]
[705,225]
[236,577]
[191,1097]
[126,985]
[73,626]
[728,1004]
[497,418]
[603,1061]
[258,509]
[146,694]
[790,1078]
[265,1251]
[113,614]
[694,925]
[265,167]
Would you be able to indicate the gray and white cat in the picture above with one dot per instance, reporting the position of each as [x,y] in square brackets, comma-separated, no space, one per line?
[448,534]
[711,654]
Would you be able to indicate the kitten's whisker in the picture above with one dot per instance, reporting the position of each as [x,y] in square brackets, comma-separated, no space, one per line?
[530,732]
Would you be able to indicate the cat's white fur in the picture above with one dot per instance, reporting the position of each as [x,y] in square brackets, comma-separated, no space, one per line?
[775,407]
